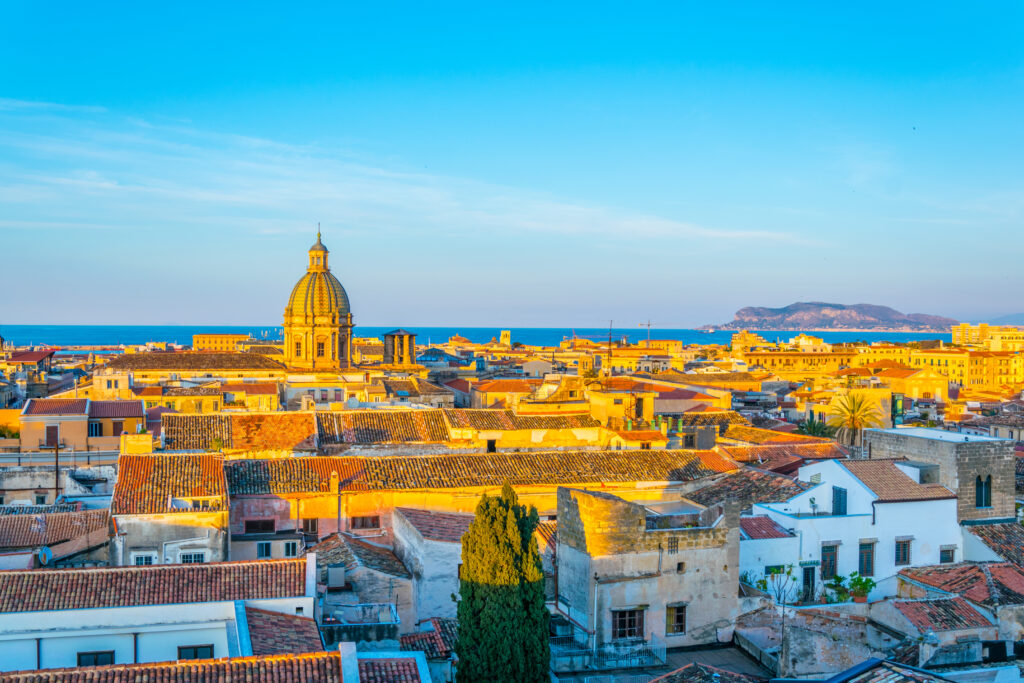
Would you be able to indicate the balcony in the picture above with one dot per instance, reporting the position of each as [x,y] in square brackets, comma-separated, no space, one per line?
[360,622]
[572,653]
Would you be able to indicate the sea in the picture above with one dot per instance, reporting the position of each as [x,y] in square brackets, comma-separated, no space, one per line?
[114,335]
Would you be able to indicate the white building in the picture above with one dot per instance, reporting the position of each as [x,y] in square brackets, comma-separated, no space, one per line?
[127,615]
[874,517]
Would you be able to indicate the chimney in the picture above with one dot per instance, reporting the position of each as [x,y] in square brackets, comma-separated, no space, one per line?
[334,482]
[349,663]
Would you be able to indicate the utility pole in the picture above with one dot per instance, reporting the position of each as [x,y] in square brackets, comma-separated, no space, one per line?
[57,448]
[610,323]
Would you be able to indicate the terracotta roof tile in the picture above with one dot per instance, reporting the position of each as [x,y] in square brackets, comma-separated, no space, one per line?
[1005,540]
[354,552]
[437,643]
[273,633]
[59,589]
[320,667]
[891,484]
[56,406]
[713,417]
[485,419]
[704,673]
[32,530]
[253,388]
[193,360]
[437,526]
[149,484]
[753,435]
[382,427]
[989,584]
[313,474]
[749,486]
[762,527]
[19,357]
[942,614]
[109,409]
[389,670]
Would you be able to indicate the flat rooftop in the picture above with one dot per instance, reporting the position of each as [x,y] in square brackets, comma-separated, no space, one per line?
[936,434]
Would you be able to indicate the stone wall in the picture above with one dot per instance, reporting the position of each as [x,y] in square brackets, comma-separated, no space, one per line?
[960,463]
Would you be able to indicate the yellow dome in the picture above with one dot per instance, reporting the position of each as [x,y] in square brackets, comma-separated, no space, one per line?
[318,293]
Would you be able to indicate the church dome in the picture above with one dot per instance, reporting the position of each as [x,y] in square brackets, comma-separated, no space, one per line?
[318,293]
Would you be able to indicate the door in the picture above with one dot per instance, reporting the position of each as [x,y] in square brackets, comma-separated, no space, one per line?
[52,434]
[807,594]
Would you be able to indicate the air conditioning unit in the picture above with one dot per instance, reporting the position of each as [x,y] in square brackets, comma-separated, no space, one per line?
[335,576]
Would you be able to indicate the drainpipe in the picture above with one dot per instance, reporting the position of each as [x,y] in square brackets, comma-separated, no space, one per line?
[596,586]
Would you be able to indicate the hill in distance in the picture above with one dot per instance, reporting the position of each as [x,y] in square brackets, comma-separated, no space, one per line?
[816,315]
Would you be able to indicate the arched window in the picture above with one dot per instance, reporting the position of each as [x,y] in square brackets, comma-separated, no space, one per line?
[983,492]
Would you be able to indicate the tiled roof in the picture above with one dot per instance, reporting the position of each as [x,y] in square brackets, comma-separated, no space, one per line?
[749,486]
[28,531]
[193,360]
[319,667]
[354,552]
[438,643]
[753,435]
[484,419]
[273,633]
[704,673]
[253,388]
[389,670]
[437,526]
[990,584]
[507,386]
[257,431]
[18,357]
[877,671]
[313,474]
[547,533]
[59,589]
[718,417]
[39,509]
[147,484]
[1005,540]
[762,527]
[56,406]
[891,484]
[772,452]
[382,427]
[941,614]
[101,409]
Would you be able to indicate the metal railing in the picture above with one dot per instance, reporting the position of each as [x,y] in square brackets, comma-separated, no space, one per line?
[569,654]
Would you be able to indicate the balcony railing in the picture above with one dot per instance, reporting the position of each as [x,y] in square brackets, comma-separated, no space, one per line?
[568,653]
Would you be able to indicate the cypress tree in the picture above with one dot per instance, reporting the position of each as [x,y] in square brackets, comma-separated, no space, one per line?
[503,622]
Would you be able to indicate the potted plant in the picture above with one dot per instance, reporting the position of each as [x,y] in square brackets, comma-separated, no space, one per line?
[837,584]
[860,586]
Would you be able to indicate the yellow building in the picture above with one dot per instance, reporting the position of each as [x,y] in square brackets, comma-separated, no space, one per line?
[973,370]
[217,342]
[916,383]
[744,340]
[317,319]
[868,356]
[800,365]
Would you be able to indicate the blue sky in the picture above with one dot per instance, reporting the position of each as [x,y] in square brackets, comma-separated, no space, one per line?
[521,165]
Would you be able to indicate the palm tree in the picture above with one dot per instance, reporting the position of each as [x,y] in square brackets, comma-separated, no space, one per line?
[851,414]
[812,427]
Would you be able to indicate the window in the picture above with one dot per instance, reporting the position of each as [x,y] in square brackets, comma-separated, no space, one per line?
[627,623]
[263,550]
[95,658]
[259,526]
[109,384]
[370,522]
[983,492]
[680,567]
[774,569]
[143,559]
[40,499]
[675,619]
[617,401]
[903,552]
[673,546]
[866,559]
[319,349]
[291,549]
[838,500]
[95,429]
[311,526]
[193,558]
[947,555]
[298,348]
[828,561]
[492,445]
[195,652]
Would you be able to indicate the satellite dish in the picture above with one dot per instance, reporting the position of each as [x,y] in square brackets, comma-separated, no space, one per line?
[45,556]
